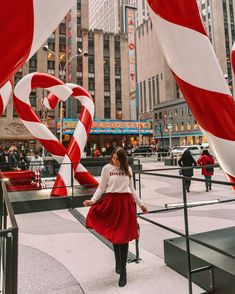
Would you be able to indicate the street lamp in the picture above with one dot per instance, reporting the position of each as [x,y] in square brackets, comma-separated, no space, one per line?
[63,77]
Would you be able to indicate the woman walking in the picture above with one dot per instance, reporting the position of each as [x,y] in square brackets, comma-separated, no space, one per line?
[187,160]
[207,171]
[114,216]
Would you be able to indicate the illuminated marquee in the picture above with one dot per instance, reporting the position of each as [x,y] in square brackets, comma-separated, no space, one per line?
[110,127]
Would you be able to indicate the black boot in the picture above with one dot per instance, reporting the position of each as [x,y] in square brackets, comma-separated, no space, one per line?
[207,187]
[123,255]
[116,249]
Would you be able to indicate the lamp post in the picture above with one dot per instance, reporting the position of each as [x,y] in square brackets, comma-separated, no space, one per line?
[63,77]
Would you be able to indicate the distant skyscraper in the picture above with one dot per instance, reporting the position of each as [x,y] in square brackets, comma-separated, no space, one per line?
[107,15]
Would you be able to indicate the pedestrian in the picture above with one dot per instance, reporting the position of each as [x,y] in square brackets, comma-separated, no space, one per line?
[207,171]
[36,165]
[36,162]
[7,160]
[187,160]
[103,151]
[114,216]
[97,153]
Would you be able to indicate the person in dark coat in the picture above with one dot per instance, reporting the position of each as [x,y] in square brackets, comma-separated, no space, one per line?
[207,159]
[187,160]
[7,160]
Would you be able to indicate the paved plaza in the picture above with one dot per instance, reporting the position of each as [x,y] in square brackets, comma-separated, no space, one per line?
[57,255]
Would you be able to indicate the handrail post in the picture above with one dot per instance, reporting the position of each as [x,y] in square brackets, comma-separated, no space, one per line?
[187,235]
[72,187]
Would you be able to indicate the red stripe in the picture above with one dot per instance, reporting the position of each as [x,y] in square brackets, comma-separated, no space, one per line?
[86,119]
[86,179]
[59,188]
[1,106]
[42,80]
[52,100]
[54,147]
[74,153]
[233,60]
[16,35]
[25,111]
[231,180]
[181,12]
[213,111]
[79,91]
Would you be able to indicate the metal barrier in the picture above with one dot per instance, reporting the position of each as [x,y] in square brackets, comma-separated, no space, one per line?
[185,205]
[8,244]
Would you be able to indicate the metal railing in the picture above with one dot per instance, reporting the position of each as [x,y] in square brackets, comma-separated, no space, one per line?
[8,244]
[185,206]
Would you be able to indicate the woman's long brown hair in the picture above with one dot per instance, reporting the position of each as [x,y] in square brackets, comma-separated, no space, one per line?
[122,157]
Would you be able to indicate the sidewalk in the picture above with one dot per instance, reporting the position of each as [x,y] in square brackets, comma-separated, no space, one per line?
[58,255]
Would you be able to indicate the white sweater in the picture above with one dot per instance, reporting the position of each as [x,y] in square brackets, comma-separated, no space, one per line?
[113,180]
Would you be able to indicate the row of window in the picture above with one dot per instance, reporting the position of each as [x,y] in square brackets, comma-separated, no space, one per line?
[149,93]
[181,111]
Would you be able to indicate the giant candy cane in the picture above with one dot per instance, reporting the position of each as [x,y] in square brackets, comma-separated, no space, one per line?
[192,60]
[25,26]
[77,142]
[46,138]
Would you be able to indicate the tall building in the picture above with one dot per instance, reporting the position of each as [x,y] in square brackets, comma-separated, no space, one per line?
[159,96]
[109,15]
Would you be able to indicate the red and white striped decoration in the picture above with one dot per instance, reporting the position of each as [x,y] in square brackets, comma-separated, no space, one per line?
[25,26]
[78,142]
[233,57]
[43,134]
[5,95]
[195,67]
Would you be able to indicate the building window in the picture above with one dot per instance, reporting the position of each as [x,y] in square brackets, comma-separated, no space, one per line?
[175,112]
[154,91]
[141,98]
[158,90]
[144,96]
[176,126]
[118,114]
[195,125]
[181,110]
[189,125]
[182,126]
[150,95]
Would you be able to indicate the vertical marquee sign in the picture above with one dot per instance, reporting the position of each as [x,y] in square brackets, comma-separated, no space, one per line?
[130,29]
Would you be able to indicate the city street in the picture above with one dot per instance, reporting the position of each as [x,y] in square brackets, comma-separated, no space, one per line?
[58,255]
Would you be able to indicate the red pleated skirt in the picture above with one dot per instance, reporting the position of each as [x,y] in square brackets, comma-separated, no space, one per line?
[114,217]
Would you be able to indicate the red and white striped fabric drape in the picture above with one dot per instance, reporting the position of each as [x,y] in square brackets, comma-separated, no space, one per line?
[46,138]
[195,67]
[25,26]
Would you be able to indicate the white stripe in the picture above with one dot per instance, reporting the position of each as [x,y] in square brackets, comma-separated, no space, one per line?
[23,88]
[88,103]
[58,158]
[65,170]
[47,16]
[5,93]
[39,130]
[46,103]
[223,151]
[80,135]
[61,91]
[85,101]
[190,55]
[81,168]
